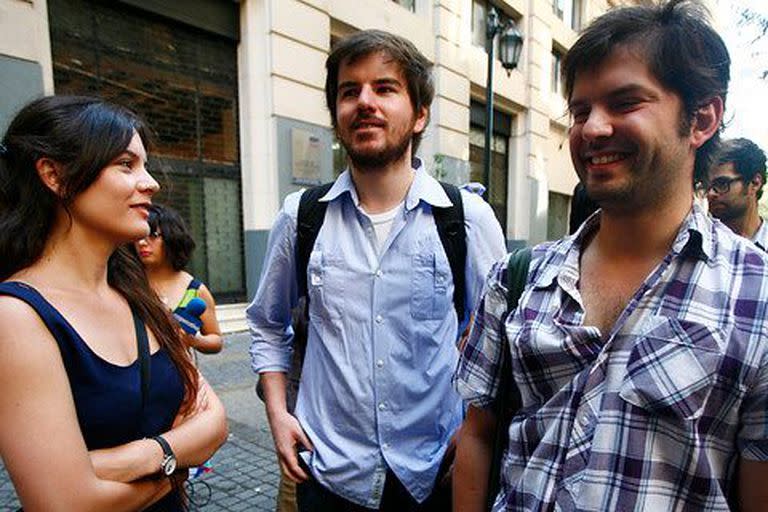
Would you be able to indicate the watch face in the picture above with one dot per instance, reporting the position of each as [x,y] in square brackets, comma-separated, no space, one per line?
[169,465]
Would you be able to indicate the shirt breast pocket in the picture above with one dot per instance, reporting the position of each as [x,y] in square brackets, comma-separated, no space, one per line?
[325,285]
[430,284]
[672,369]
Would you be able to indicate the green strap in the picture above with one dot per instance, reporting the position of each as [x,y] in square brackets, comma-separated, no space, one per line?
[517,276]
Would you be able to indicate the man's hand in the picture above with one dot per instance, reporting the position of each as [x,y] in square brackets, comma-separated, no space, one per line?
[286,430]
[288,435]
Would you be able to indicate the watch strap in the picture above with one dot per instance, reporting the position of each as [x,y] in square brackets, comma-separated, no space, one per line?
[168,464]
[167,451]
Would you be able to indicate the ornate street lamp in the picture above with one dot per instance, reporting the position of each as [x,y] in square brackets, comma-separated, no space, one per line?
[510,47]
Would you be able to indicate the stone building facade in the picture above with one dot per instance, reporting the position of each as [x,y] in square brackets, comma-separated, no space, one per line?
[234,91]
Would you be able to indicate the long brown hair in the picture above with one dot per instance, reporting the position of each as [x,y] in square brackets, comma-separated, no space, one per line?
[83,135]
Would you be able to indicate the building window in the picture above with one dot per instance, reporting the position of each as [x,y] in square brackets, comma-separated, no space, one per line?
[497,188]
[408,4]
[558,8]
[479,15]
[577,14]
[570,11]
[339,158]
[183,81]
[480,10]
[558,83]
[557,215]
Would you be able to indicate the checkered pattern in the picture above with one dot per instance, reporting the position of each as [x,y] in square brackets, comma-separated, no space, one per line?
[761,236]
[654,417]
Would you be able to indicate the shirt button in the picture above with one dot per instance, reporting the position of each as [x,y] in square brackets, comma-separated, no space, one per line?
[584,419]
[379,319]
[385,446]
[379,273]
[380,363]
[382,406]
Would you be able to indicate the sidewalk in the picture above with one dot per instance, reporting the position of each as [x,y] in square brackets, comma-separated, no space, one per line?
[245,475]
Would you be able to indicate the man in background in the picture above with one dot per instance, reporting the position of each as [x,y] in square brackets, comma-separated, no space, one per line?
[735,186]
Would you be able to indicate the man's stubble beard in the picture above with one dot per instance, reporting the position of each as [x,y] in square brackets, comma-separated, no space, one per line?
[649,185]
[371,160]
[731,212]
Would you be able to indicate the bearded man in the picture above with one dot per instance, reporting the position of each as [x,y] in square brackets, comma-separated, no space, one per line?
[376,411]
[735,185]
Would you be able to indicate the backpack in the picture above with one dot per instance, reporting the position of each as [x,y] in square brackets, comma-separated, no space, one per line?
[450,227]
[508,401]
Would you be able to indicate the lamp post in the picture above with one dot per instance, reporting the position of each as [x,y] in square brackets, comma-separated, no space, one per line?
[510,47]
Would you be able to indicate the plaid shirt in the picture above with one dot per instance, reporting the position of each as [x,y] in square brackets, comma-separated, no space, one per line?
[654,418]
[761,235]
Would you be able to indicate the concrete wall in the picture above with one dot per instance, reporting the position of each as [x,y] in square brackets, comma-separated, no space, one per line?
[25,56]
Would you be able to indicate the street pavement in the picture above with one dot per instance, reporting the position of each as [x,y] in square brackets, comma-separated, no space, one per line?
[245,474]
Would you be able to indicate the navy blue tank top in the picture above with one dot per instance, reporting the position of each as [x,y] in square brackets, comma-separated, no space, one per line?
[107,396]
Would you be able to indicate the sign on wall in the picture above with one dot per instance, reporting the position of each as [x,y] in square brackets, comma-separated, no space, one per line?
[305,157]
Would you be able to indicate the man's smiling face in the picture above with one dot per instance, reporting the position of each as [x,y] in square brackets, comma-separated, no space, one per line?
[628,142]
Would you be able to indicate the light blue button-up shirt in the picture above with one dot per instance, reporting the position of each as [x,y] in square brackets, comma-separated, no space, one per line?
[376,383]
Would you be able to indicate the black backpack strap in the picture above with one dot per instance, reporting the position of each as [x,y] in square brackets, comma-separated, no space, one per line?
[453,235]
[508,398]
[142,344]
[308,223]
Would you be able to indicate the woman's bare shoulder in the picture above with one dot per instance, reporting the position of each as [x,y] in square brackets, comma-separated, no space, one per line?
[21,323]
[14,308]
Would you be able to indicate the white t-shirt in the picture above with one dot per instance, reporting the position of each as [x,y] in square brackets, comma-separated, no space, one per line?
[382,223]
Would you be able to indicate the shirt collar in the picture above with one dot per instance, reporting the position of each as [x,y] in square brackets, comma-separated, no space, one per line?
[693,239]
[568,268]
[342,184]
[424,188]
[761,234]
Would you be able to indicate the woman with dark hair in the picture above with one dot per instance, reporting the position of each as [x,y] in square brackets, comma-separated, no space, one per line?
[100,399]
[165,253]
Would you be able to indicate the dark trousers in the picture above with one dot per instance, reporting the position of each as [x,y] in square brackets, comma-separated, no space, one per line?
[313,497]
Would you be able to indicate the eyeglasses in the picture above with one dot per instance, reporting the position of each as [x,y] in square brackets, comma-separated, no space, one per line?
[154,235]
[722,184]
